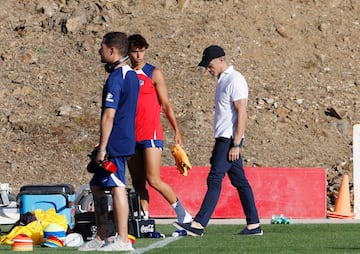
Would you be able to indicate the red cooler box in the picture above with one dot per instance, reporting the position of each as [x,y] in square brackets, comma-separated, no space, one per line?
[58,196]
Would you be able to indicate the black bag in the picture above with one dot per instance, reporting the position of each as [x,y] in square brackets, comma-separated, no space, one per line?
[85,223]
[138,226]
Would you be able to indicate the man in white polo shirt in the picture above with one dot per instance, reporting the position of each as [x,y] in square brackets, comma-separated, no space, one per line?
[229,127]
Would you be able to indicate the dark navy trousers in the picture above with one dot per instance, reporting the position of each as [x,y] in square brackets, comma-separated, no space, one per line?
[219,166]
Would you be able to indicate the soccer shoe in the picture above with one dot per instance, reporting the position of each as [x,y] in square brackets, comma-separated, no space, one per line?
[117,245]
[92,245]
[189,229]
[255,231]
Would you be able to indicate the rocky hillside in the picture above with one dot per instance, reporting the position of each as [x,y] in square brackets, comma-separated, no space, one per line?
[300,58]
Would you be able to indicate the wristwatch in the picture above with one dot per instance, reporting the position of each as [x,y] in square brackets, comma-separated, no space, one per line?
[236,145]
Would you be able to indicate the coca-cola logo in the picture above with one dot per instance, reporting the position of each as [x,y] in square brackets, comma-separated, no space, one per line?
[147,228]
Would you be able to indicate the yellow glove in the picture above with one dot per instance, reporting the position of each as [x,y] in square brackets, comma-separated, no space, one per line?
[181,159]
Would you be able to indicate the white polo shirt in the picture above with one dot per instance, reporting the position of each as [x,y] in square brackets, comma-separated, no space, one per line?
[231,86]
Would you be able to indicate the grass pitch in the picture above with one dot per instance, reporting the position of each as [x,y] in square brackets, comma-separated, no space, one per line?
[277,238]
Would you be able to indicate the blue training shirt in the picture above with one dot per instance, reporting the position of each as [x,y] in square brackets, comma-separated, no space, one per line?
[120,92]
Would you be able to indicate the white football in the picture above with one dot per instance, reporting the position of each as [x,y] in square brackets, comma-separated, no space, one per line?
[73,240]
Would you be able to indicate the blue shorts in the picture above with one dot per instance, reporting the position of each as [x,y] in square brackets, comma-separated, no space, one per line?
[105,179]
[141,145]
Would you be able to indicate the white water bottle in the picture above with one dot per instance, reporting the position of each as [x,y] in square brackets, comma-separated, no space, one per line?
[178,232]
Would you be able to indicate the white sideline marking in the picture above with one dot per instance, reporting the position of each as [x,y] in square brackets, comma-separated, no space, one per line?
[158,244]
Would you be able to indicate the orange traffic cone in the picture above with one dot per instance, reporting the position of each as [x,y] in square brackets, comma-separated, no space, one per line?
[342,209]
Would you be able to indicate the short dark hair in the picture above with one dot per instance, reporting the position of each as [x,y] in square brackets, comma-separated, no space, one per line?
[118,40]
[138,41]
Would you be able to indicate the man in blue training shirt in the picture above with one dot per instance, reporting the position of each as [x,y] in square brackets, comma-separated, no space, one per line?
[117,142]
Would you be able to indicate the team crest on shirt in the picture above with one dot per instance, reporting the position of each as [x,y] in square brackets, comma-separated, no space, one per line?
[109,97]
[141,82]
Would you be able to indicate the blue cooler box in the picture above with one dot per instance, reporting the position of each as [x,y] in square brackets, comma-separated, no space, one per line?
[58,196]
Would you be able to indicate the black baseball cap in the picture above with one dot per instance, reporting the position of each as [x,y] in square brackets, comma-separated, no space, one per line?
[211,53]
